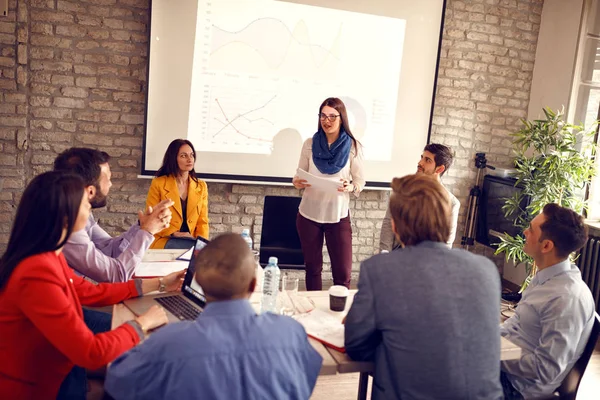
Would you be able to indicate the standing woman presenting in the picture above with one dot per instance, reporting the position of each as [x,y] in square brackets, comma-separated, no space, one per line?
[176,180]
[331,153]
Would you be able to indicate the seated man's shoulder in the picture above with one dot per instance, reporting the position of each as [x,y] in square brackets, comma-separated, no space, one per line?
[171,337]
[570,288]
[380,262]
[290,331]
[469,257]
[453,199]
[271,320]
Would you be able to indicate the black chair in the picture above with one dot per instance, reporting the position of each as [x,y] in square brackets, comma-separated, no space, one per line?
[568,388]
[279,237]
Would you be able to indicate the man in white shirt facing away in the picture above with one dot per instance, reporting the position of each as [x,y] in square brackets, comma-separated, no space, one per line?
[436,159]
[93,252]
[555,316]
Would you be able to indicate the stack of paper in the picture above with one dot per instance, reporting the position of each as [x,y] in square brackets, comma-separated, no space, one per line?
[323,327]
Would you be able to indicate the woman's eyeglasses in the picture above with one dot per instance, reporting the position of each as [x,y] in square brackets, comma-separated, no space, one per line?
[330,118]
[185,156]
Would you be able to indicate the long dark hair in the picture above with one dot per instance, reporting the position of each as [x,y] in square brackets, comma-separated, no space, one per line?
[49,204]
[339,106]
[169,165]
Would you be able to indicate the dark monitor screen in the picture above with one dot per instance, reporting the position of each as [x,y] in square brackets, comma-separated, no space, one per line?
[279,236]
[491,221]
[190,287]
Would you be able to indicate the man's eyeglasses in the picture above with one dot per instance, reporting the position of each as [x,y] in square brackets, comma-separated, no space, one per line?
[330,118]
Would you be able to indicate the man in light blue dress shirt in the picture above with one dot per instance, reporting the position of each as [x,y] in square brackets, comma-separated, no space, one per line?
[229,352]
[554,318]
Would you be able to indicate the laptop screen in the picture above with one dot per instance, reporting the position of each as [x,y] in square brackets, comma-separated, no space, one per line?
[190,287]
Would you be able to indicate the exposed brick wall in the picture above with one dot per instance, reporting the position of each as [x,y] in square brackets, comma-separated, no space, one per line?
[484,81]
[74,73]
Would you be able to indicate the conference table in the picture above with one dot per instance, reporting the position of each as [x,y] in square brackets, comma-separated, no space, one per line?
[334,362]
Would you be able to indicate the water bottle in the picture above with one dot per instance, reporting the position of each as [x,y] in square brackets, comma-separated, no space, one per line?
[270,286]
[246,237]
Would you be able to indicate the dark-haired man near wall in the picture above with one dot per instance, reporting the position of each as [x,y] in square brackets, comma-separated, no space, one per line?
[555,316]
[93,252]
[436,159]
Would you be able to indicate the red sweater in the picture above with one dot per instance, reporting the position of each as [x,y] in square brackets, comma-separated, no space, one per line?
[42,333]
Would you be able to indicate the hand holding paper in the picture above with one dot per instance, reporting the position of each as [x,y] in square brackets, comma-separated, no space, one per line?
[323,184]
[300,183]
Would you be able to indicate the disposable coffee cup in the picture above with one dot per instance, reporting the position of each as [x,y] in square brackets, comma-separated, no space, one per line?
[337,298]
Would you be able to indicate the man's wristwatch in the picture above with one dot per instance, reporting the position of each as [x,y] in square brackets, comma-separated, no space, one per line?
[161,285]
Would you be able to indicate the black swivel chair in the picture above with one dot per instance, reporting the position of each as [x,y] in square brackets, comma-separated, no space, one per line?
[568,388]
[279,237]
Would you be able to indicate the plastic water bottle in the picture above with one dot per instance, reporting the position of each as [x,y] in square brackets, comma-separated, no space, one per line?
[270,286]
[246,237]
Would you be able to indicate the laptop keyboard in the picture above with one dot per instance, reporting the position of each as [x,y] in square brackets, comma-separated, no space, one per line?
[180,308]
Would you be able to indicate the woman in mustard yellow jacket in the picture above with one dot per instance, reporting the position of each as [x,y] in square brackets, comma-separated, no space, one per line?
[176,180]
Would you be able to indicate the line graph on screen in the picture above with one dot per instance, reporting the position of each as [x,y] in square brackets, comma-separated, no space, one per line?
[265,69]
[240,121]
[269,45]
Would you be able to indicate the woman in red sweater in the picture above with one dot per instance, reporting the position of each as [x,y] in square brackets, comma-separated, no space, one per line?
[42,332]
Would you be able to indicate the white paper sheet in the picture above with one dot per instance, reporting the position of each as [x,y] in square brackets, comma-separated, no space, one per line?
[323,326]
[153,269]
[187,256]
[324,184]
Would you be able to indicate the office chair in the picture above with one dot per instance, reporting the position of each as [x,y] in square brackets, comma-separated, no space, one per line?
[279,237]
[568,388]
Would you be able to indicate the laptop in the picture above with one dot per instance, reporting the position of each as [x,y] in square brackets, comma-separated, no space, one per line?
[186,305]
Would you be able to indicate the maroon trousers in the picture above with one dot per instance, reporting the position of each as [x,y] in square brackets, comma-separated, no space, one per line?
[338,238]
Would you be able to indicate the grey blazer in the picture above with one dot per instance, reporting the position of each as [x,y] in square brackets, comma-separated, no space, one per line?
[429,317]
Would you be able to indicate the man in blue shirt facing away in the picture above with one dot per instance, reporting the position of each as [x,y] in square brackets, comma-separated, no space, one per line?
[229,352]
[555,316]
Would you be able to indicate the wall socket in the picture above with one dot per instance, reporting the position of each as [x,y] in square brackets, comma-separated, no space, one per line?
[3,8]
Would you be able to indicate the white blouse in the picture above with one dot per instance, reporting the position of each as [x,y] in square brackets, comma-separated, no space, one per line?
[329,207]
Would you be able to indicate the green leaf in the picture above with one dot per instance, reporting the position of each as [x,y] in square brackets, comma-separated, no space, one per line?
[555,161]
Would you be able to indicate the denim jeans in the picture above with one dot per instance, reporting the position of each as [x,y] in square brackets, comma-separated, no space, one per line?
[74,387]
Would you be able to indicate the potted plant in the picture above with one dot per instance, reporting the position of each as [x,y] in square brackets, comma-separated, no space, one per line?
[555,163]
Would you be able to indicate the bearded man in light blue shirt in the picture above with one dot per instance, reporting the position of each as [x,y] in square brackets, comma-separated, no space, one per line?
[554,318]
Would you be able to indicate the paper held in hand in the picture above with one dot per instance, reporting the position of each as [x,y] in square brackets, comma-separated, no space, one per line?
[154,269]
[323,327]
[315,182]
[187,256]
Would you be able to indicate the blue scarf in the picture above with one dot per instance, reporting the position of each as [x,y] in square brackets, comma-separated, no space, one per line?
[330,160]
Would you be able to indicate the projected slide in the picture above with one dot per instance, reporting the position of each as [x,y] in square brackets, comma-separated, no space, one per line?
[276,48]
[264,70]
